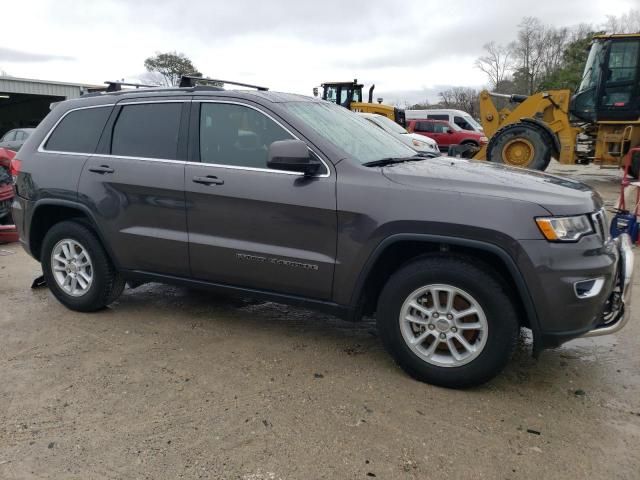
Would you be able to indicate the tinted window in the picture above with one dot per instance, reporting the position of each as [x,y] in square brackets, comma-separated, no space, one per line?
[147,130]
[424,127]
[440,128]
[438,116]
[236,135]
[79,131]
[462,123]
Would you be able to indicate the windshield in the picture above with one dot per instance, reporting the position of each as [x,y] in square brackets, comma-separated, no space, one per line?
[592,67]
[388,124]
[352,134]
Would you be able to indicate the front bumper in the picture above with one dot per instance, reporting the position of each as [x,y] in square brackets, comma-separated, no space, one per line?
[616,312]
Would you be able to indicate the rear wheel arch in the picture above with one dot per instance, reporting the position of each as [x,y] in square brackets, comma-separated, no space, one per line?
[49,213]
[399,250]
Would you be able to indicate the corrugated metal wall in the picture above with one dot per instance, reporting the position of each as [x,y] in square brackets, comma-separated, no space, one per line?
[17,85]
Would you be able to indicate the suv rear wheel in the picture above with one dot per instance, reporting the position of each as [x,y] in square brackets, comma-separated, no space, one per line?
[77,268]
[448,321]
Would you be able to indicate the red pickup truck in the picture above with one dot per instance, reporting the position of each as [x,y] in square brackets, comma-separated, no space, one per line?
[446,134]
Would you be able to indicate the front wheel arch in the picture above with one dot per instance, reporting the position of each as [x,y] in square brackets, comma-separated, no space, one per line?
[397,250]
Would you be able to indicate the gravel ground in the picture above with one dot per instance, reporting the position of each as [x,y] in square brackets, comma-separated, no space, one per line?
[171,383]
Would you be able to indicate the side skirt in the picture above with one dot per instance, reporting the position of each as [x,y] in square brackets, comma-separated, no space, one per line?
[138,277]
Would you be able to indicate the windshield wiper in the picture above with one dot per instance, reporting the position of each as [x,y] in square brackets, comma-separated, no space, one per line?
[394,160]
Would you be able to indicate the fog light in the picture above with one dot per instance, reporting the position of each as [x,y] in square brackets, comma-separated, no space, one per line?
[588,288]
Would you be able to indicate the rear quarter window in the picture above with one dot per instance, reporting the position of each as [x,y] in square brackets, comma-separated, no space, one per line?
[79,131]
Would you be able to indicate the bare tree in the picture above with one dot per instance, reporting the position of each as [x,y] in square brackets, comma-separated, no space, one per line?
[626,23]
[497,63]
[461,98]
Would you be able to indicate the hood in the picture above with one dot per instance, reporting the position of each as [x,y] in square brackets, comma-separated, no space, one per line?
[558,195]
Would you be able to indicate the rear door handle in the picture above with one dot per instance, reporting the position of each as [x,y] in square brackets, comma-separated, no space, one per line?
[208,180]
[102,169]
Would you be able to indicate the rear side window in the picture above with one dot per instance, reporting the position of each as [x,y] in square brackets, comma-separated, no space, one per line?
[79,131]
[438,117]
[147,130]
[424,127]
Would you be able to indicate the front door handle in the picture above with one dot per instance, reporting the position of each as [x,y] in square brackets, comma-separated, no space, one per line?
[208,180]
[102,169]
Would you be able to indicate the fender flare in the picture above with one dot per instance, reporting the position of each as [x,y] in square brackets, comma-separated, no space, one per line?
[503,255]
[82,208]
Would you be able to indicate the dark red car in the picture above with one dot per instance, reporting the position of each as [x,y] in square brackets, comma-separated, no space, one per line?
[7,229]
[446,134]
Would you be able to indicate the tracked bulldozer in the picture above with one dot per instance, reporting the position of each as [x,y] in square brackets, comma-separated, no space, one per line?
[599,123]
[349,95]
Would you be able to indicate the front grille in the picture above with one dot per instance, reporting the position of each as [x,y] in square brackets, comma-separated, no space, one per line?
[599,220]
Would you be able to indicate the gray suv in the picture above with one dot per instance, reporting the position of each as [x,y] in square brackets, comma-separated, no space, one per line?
[296,200]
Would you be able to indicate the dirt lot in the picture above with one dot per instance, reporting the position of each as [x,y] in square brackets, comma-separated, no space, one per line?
[170,383]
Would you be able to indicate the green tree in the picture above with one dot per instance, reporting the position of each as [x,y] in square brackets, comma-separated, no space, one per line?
[170,66]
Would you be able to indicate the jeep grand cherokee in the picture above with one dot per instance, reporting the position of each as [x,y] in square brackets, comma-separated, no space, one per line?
[296,200]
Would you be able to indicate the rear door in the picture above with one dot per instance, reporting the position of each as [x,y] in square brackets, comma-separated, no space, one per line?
[249,225]
[134,185]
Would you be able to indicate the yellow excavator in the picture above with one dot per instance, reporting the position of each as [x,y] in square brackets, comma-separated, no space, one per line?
[349,95]
[599,123]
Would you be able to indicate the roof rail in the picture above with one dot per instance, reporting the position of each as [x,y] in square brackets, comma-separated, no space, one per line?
[195,81]
[117,86]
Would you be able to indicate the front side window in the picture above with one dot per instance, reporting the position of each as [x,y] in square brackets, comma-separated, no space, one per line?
[462,123]
[79,131]
[148,130]
[440,128]
[237,135]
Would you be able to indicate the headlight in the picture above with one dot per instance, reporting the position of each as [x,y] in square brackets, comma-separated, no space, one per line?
[418,143]
[564,229]
[484,140]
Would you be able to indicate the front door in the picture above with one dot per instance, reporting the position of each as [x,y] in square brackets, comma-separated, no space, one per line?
[135,187]
[251,226]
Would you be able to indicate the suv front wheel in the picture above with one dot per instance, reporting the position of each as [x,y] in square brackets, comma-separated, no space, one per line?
[448,321]
[77,269]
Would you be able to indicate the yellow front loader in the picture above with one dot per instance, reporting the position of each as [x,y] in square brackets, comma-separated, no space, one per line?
[599,123]
[349,95]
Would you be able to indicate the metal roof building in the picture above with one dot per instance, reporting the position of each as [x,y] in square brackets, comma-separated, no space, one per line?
[24,102]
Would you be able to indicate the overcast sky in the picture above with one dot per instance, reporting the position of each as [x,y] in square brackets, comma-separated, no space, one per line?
[409,49]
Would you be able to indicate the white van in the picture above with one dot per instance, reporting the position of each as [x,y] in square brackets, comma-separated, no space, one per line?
[460,118]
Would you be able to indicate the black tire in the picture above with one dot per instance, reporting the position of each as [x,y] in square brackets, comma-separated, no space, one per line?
[486,288]
[107,283]
[532,137]
[470,142]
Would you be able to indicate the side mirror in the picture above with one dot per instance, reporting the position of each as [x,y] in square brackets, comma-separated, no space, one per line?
[292,156]
[449,130]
